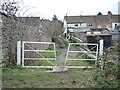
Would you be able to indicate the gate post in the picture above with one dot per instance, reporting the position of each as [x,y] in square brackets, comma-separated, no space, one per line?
[18,52]
[101,53]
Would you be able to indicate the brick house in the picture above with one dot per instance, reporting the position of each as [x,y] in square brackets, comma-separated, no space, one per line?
[109,21]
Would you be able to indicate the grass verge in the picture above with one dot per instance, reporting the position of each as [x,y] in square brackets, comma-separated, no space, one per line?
[38,78]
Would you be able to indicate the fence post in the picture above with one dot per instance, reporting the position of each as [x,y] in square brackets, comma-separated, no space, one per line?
[101,53]
[18,52]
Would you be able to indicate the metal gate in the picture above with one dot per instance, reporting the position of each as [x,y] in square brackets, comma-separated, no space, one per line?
[37,52]
[46,52]
[78,53]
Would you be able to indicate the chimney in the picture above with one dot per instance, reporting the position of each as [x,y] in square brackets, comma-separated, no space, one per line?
[81,18]
[110,16]
[109,13]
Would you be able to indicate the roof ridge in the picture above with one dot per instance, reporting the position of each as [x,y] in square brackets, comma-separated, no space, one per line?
[91,15]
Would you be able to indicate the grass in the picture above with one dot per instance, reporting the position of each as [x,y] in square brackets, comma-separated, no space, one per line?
[65,42]
[84,78]
[49,55]
[72,41]
[43,62]
[58,51]
[81,63]
[78,47]
[48,63]
[40,63]
[38,78]
[74,78]
[0,77]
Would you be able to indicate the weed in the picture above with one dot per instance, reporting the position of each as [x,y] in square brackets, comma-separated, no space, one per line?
[65,42]
[72,41]
[38,78]
[108,77]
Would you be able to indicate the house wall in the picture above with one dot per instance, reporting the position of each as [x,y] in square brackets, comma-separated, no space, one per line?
[113,25]
[77,25]
[89,25]
[103,25]
[96,25]
[65,26]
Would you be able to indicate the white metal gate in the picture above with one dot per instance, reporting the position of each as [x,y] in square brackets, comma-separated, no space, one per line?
[35,48]
[89,50]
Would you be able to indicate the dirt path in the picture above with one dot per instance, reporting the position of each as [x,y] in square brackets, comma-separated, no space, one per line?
[61,58]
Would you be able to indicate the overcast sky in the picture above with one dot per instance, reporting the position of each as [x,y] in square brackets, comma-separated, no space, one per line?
[47,8]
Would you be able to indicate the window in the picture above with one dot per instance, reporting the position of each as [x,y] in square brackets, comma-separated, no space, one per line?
[76,25]
[108,25]
[90,25]
[115,25]
[99,26]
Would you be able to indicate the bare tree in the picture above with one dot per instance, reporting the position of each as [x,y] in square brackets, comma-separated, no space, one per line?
[10,7]
[56,26]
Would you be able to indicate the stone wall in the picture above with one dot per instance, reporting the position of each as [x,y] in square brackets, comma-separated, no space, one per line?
[1,39]
[54,27]
[12,31]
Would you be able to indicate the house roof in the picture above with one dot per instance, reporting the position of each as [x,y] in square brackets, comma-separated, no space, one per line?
[116,18]
[89,19]
[102,19]
[92,19]
[73,19]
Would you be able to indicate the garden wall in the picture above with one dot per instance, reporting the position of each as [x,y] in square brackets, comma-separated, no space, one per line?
[13,30]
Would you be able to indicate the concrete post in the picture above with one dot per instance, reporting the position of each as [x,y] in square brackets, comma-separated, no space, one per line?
[18,52]
[101,53]
[101,48]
